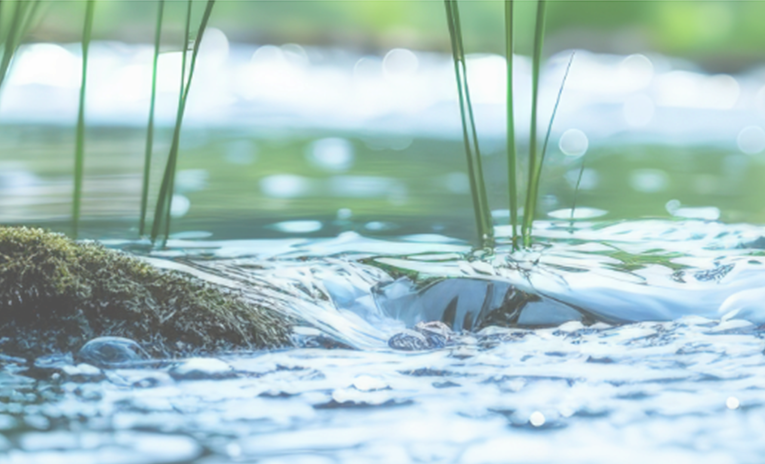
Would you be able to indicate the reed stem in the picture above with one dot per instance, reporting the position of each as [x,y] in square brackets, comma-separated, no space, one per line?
[512,155]
[79,151]
[164,202]
[150,128]
[531,200]
[470,136]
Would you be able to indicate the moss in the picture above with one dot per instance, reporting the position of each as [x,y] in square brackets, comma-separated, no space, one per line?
[56,294]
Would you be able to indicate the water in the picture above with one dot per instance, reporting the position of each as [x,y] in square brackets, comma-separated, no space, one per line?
[685,386]
[627,340]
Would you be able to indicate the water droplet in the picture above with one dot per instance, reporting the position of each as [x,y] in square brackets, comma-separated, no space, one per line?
[537,419]
[573,143]
[751,140]
[400,62]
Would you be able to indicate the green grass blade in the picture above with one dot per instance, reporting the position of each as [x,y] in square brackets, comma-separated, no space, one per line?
[531,201]
[150,129]
[79,152]
[9,41]
[538,174]
[164,202]
[475,174]
[512,154]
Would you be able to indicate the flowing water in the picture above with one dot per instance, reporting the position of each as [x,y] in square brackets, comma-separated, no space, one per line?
[621,340]
[631,354]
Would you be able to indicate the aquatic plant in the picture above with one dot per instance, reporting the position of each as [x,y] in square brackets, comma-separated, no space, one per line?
[535,167]
[150,126]
[24,13]
[162,211]
[484,224]
[56,294]
[512,175]
[79,149]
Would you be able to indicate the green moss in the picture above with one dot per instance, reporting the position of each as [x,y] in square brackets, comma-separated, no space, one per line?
[56,294]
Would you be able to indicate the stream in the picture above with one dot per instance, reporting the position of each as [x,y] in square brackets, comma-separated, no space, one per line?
[643,343]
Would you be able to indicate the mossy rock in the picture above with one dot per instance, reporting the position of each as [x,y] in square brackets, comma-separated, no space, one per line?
[56,294]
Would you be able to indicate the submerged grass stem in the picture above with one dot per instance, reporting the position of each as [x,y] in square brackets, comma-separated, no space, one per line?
[512,175]
[150,127]
[470,135]
[534,165]
[162,212]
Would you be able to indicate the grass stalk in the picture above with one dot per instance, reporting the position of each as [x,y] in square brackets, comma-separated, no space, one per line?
[79,151]
[162,216]
[470,136]
[534,166]
[576,193]
[150,128]
[24,13]
[512,155]
[540,165]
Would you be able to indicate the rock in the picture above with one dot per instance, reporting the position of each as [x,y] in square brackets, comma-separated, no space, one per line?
[111,352]
[409,340]
[56,294]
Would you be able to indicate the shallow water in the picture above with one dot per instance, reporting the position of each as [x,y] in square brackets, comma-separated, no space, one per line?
[688,389]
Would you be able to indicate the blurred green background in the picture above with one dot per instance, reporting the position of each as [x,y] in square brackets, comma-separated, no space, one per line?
[719,35]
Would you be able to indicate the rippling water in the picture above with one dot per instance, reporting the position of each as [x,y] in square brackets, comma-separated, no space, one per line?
[652,351]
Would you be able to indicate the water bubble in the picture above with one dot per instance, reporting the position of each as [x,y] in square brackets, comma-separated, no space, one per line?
[105,351]
[732,402]
[332,154]
[639,110]
[751,140]
[400,62]
[537,419]
[649,180]
[573,143]
[636,71]
[179,205]
[284,186]
[672,206]
[344,214]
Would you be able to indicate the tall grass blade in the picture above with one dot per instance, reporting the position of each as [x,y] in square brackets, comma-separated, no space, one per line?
[24,13]
[540,165]
[470,137]
[150,129]
[512,175]
[531,200]
[164,202]
[79,151]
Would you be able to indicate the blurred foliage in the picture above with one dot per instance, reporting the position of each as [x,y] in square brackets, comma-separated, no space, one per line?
[723,35]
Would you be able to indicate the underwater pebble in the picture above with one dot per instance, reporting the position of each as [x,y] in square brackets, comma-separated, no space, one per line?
[409,340]
[111,351]
[202,369]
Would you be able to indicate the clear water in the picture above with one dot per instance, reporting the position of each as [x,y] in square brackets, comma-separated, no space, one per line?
[647,344]
[687,387]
